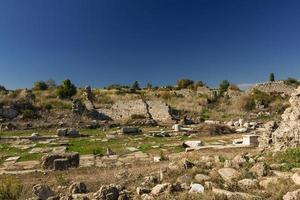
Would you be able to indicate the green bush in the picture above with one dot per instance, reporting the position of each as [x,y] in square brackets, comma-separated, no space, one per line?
[29,114]
[40,85]
[10,188]
[184,83]
[292,82]
[224,85]
[66,90]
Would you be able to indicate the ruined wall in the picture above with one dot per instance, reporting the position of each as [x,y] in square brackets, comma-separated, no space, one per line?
[275,87]
[123,110]
[287,135]
[160,111]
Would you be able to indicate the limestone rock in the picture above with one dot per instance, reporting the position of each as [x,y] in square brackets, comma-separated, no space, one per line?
[202,178]
[295,195]
[107,192]
[248,184]
[196,188]
[78,187]
[48,160]
[42,192]
[228,174]
[260,169]
[160,188]
[296,178]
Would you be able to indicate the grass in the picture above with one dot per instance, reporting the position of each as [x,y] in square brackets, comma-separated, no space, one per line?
[290,157]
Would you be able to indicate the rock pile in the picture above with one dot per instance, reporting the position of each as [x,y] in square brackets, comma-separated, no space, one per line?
[58,161]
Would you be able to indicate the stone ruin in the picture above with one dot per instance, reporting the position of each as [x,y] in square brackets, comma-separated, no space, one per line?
[275,87]
[61,161]
[122,111]
[287,135]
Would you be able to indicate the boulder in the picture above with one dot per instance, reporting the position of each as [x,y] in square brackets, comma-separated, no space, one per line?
[228,174]
[296,178]
[62,132]
[260,169]
[195,144]
[78,188]
[160,188]
[130,130]
[42,192]
[268,182]
[107,192]
[202,178]
[224,194]
[247,184]
[196,188]
[294,195]
[48,160]
[142,190]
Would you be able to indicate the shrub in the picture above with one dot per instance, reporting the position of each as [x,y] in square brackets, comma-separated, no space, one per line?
[224,85]
[291,157]
[40,85]
[262,97]
[184,83]
[28,114]
[66,90]
[292,82]
[10,188]
[51,83]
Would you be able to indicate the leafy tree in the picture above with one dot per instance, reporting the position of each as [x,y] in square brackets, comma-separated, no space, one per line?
[135,86]
[51,83]
[40,85]
[66,90]
[224,85]
[2,88]
[272,77]
[185,83]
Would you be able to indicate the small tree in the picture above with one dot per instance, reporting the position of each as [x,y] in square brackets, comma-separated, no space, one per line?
[40,85]
[272,77]
[185,83]
[66,90]
[135,86]
[51,83]
[224,86]
[2,88]
[149,86]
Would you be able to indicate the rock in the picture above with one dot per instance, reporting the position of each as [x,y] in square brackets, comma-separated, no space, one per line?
[224,194]
[160,188]
[62,132]
[78,187]
[295,195]
[110,152]
[202,178]
[192,144]
[8,112]
[268,182]
[196,188]
[48,160]
[107,192]
[150,180]
[260,169]
[186,178]
[147,197]
[130,130]
[60,164]
[241,130]
[73,133]
[296,178]
[239,160]
[188,165]
[142,190]
[246,184]
[42,192]
[228,174]
[157,158]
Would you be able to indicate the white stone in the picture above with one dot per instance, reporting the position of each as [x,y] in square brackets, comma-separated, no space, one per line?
[196,188]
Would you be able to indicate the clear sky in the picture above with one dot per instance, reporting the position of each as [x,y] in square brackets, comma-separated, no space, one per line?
[100,42]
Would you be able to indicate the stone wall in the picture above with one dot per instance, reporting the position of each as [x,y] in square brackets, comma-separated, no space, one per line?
[123,110]
[275,87]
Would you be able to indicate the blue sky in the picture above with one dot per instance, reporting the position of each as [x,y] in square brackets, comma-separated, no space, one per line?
[100,42]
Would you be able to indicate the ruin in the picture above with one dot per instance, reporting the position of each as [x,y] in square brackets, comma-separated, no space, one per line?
[274,87]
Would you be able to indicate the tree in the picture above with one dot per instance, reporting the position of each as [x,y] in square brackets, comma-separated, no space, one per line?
[149,86]
[40,85]
[135,86]
[66,90]
[51,83]
[2,88]
[272,77]
[224,86]
[185,83]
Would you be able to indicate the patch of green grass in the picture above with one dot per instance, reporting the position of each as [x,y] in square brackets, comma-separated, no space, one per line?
[291,157]
[30,156]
